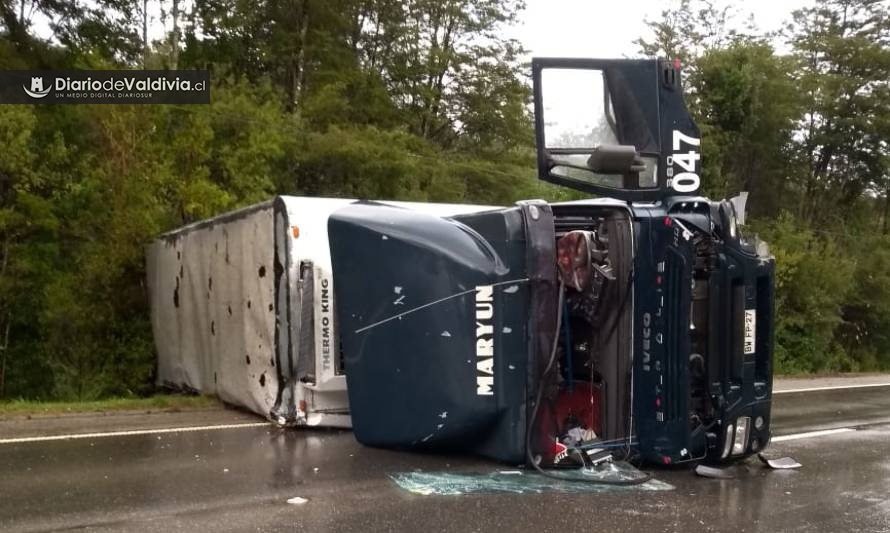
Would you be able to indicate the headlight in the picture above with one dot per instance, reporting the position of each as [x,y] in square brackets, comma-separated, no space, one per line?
[741,435]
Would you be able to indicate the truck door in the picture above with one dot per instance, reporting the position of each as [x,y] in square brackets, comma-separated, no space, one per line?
[444,323]
[616,128]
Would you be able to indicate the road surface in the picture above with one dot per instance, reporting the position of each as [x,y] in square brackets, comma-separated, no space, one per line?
[239,478]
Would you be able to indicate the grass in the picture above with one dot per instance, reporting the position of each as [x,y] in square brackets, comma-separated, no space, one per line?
[160,402]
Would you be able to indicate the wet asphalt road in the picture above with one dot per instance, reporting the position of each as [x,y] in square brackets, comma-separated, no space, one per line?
[240,479]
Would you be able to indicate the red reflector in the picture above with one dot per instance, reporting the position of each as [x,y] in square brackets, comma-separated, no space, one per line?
[667,221]
[666,459]
[657,402]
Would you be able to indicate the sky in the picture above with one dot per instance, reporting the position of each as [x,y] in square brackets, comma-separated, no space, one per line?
[607,28]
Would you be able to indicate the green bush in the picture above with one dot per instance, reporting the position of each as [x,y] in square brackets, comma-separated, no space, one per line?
[813,280]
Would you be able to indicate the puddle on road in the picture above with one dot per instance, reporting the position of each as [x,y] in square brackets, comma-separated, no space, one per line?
[523,482]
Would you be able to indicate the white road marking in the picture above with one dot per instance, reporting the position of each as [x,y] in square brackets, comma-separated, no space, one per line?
[134,432]
[836,387]
[810,434]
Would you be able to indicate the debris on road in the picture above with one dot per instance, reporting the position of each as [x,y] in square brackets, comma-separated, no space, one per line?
[782,463]
[714,473]
[519,482]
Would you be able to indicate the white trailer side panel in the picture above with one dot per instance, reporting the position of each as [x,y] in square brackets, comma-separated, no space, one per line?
[212,294]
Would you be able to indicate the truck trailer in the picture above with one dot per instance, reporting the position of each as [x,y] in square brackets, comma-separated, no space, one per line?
[637,322]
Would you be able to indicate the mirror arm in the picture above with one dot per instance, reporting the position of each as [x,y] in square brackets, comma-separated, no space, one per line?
[567,165]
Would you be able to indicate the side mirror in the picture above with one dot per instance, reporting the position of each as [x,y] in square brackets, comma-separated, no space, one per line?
[580,139]
[616,159]
[615,127]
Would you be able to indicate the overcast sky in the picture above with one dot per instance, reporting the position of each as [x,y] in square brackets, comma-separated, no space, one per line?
[607,28]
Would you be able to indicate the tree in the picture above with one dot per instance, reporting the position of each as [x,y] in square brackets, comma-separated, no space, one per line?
[843,47]
[688,28]
[748,106]
[441,61]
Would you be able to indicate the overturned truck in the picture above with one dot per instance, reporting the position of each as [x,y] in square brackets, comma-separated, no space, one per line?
[639,322]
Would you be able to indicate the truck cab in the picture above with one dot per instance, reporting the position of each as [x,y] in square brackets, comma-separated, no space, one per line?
[637,322]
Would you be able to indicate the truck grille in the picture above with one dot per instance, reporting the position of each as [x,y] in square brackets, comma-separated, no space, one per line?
[675,329]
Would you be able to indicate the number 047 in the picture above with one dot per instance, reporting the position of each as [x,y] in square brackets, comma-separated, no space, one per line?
[688,180]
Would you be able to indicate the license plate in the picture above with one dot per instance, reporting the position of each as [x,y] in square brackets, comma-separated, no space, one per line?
[750,330]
